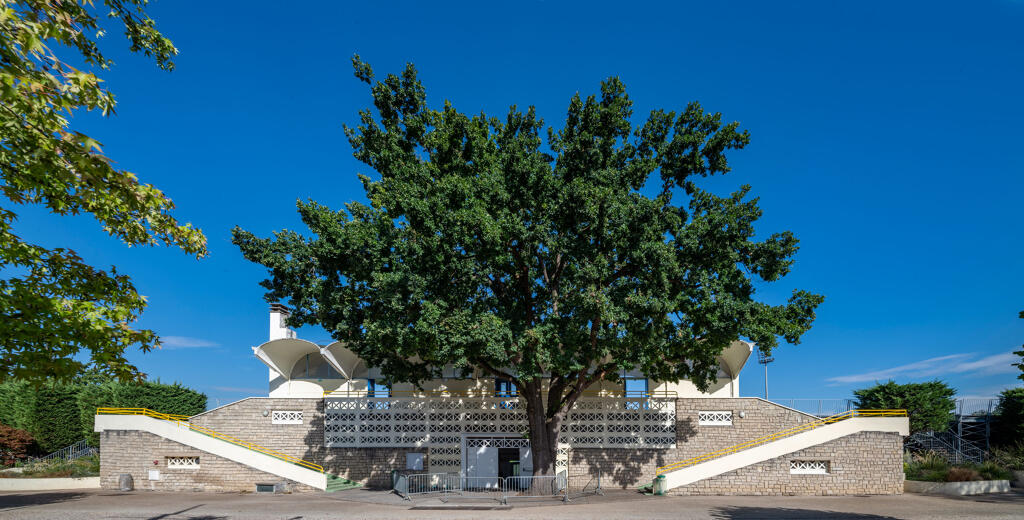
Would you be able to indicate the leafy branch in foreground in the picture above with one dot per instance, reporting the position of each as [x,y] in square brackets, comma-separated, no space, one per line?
[53,305]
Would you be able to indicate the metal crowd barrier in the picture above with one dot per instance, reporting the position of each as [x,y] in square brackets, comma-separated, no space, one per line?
[454,486]
[424,483]
[539,486]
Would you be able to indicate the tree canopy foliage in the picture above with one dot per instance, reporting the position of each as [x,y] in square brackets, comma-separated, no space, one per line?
[553,264]
[1009,422]
[53,304]
[1020,353]
[929,405]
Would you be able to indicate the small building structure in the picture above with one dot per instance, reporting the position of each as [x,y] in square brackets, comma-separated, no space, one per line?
[327,411]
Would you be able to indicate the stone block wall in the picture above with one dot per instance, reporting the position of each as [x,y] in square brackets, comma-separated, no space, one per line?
[634,467]
[865,463]
[245,420]
[871,463]
[136,453]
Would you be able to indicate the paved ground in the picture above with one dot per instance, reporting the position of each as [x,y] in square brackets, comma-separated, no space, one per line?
[365,504]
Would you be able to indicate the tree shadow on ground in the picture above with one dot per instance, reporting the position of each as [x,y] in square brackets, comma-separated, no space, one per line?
[1015,496]
[750,513]
[640,464]
[176,514]
[13,501]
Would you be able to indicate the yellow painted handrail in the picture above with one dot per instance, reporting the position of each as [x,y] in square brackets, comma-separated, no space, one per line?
[483,393]
[183,421]
[779,435]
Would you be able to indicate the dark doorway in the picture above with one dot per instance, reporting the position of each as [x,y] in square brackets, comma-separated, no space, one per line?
[508,462]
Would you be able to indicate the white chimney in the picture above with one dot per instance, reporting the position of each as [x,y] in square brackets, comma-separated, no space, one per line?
[278,329]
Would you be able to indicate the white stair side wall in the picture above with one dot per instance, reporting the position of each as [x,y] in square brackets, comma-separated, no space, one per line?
[784,446]
[182,435]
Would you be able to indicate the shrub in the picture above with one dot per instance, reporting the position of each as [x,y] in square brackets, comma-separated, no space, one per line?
[1011,456]
[929,467]
[1009,417]
[962,475]
[992,470]
[930,405]
[15,445]
[55,468]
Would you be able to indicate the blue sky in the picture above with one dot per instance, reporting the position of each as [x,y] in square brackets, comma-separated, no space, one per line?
[886,136]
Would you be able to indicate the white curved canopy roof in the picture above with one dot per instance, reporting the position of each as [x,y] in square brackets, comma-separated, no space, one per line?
[735,356]
[282,354]
[342,359]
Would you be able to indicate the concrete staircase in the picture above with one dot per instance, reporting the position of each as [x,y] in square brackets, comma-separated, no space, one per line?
[336,483]
[223,446]
[782,443]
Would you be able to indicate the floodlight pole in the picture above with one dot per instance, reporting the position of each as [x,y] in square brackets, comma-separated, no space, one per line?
[766,381]
[764,359]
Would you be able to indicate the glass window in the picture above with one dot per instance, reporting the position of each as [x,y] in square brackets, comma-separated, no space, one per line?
[636,393]
[313,366]
[377,389]
[504,388]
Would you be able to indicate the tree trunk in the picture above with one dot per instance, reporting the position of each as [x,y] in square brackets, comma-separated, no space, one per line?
[544,432]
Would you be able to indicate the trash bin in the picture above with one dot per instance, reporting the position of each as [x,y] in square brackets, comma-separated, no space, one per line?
[125,482]
[659,485]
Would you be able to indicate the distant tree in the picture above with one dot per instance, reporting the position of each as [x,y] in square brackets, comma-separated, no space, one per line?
[1009,417]
[1020,353]
[930,405]
[554,268]
[52,304]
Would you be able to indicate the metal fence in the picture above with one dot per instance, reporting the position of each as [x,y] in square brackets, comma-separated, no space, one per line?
[539,486]
[452,486]
[828,407]
[426,483]
[975,406]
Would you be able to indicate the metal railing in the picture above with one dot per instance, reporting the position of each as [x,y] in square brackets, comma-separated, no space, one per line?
[949,445]
[818,407]
[182,421]
[975,407]
[479,393]
[780,435]
[828,407]
[75,451]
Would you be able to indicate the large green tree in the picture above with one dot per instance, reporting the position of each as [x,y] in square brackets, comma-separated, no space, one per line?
[53,305]
[929,405]
[552,265]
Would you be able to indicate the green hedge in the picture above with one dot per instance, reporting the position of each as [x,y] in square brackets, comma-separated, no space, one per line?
[49,412]
[171,399]
[58,414]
